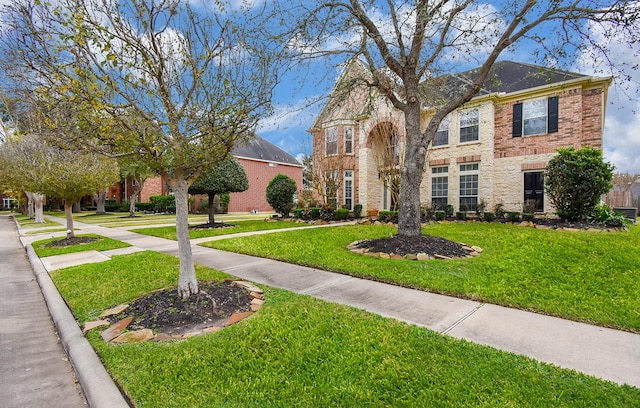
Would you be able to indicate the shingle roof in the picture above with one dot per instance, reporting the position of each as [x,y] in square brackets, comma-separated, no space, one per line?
[504,76]
[260,149]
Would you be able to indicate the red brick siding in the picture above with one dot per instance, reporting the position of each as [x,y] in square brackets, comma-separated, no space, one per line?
[152,186]
[260,174]
[579,124]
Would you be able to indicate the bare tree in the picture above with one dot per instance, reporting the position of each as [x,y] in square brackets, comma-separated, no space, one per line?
[181,84]
[407,45]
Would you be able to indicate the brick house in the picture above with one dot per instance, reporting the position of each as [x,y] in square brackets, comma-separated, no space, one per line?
[262,161]
[495,148]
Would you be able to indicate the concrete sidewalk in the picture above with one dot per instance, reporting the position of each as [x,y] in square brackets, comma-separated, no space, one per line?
[34,368]
[608,354]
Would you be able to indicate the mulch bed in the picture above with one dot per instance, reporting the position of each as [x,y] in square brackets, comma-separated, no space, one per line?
[164,311]
[427,244]
[70,241]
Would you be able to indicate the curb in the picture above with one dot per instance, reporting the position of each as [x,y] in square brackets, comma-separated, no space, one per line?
[97,385]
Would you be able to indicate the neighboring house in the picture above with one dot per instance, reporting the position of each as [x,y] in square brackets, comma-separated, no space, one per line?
[495,148]
[262,161]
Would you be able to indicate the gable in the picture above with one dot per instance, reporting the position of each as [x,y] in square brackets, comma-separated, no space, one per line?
[260,149]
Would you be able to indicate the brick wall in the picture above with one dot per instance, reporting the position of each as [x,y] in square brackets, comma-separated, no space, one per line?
[579,124]
[260,173]
[152,186]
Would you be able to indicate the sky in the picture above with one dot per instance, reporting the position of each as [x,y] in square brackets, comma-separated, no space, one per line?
[293,115]
[300,96]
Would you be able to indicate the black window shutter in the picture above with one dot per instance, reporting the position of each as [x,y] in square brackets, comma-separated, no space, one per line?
[517,120]
[552,114]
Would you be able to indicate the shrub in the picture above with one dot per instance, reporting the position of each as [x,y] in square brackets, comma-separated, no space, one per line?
[528,216]
[427,212]
[463,207]
[163,203]
[388,216]
[357,210]
[342,213]
[461,215]
[439,215]
[315,213]
[280,192]
[448,211]
[481,208]
[575,180]
[111,206]
[499,211]
[529,207]
[617,221]
[299,213]
[600,214]
[513,216]
[144,206]
[488,216]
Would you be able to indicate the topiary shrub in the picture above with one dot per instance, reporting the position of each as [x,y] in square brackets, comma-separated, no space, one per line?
[488,216]
[461,215]
[280,192]
[448,211]
[513,216]
[575,180]
[439,215]
[357,210]
[342,214]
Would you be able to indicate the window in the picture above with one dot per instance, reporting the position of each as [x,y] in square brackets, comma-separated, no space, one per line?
[439,187]
[442,136]
[535,117]
[348,189]
[469,125]
[331,141]
[469,185]
[534,189]
[348,140]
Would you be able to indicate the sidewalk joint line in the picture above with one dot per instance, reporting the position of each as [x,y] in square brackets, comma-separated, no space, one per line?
[462,319]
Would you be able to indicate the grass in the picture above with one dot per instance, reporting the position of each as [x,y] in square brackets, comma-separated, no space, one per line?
[26,222]
[103,244]
[238,227]
[300,351]
[583,276]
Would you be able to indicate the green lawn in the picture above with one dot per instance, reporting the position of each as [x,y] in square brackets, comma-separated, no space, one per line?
[300,351]
[103,244]
[584,276]
[238,226]
[26,222]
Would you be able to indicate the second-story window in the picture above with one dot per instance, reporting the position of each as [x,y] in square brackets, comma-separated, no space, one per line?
[331,141]
[469,120]
[442,136]
[536,117]
[348,140]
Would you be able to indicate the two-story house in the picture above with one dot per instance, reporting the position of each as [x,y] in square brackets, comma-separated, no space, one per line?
[495,148]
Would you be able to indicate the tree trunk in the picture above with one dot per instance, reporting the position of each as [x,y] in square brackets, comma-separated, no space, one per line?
[134,197]
[30,210]
[212,208]
[411,175]
[37,204]
[100,199]
[68,211]
[187,282]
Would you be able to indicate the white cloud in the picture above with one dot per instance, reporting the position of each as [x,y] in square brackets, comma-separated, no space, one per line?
[622,122]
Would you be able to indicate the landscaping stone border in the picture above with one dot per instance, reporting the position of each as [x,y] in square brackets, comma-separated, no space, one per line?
[116,332]
[472,251]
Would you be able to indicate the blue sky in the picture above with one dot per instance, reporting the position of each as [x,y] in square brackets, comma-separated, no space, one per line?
[293,115]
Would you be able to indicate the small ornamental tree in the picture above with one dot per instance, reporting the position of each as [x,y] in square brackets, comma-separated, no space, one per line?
[280,192]
[226,177]
[575,180]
